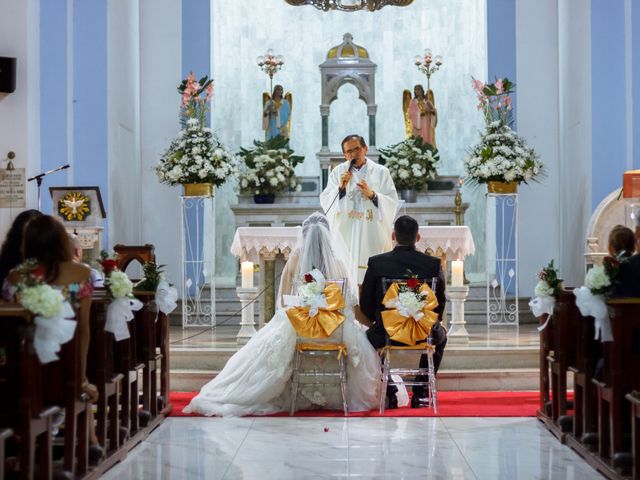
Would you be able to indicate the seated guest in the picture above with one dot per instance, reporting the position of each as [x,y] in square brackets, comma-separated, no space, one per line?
[47,241]
[623,243]
[396,264]
[10,254]
[97,279]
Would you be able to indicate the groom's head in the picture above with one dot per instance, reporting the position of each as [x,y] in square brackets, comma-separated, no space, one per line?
[405,231]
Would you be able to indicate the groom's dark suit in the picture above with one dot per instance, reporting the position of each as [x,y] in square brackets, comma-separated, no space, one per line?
[394,264]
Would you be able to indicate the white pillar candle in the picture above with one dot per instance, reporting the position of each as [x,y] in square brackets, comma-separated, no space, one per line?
[247,274]
[457,273]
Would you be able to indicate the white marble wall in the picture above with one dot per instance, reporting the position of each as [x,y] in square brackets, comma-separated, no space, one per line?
[243,30]
[20,110]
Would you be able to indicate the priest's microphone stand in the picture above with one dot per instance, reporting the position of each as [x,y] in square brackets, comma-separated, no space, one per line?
[38,179]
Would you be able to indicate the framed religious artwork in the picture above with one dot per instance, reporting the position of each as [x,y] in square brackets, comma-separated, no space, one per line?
[81,211]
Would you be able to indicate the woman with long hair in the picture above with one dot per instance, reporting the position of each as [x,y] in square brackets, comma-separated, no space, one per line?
[46,242]
[11,253]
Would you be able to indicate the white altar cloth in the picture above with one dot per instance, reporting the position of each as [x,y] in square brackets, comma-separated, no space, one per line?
[456,242]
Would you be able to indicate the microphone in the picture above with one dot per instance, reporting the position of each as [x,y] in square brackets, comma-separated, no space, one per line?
[352,165]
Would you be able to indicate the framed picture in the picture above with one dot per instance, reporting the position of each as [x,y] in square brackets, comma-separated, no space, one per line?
[77,206]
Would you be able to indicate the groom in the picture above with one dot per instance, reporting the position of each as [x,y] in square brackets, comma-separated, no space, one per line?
[395,264]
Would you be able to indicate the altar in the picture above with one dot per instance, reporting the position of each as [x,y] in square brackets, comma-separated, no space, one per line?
[269,247]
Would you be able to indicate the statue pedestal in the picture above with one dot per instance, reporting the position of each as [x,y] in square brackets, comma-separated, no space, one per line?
[458,334]
[247,297]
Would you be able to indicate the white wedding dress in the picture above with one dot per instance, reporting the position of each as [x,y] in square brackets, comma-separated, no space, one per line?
[256,380]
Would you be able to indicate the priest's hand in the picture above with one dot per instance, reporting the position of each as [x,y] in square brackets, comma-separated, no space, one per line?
[345,179]
[366,191]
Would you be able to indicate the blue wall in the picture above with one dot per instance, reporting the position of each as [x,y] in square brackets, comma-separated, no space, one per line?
[90,97]
[635,75]
[53,95]
[609,126]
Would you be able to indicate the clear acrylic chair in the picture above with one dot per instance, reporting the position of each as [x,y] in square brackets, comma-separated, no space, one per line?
[409,375]
[313,359]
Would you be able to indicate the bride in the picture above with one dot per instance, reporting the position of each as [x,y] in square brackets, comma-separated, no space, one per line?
[256,379]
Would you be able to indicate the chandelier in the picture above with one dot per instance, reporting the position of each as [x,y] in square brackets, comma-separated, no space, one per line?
[350,5]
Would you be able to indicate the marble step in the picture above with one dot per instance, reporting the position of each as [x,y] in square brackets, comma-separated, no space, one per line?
[455,358]
[514,379]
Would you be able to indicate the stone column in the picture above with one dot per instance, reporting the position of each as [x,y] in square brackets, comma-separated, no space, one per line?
[247,297]
[457,331]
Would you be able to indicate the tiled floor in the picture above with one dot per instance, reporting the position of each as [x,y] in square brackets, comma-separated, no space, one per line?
[310,448]
[224,337]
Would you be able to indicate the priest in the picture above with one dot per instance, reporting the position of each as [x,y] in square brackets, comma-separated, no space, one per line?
[360,201]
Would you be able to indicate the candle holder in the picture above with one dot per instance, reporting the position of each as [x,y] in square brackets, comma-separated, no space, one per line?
[428,64]
[247,298]
[457,330]
[270,64]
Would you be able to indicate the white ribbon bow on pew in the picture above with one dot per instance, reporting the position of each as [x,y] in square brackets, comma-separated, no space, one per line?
[593,305]
[52,332]
[540,305]
[119,313]
[166,297]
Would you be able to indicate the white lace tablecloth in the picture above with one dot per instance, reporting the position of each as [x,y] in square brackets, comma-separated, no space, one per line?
[248,242]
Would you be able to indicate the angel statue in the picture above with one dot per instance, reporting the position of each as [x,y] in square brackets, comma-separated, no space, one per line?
[420,115]
[276,113]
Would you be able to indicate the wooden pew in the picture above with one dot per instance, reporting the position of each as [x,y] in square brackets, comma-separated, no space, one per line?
[25,411]
[565,316]
[101,372]
[634,399]
[4,435]
[148,354]
[63,380]
[546,347]
[621,376]
[162,344]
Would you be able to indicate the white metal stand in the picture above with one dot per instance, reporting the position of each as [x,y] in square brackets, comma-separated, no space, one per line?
[198,261]
[247,328]
[456,297]
[502,255]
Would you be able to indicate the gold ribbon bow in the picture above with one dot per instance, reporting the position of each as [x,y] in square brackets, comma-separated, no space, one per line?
[324,347]
[408,330]
[325,322]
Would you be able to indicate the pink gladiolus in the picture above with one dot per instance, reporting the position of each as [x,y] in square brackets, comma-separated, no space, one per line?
[191,78]
[478,86]
[499,86]
[185,98]
[209,92]
[507,101]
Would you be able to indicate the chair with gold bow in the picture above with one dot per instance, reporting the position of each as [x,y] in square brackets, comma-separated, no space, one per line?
[408,320]
[319,343]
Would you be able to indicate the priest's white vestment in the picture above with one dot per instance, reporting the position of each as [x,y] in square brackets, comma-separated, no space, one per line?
[364,227]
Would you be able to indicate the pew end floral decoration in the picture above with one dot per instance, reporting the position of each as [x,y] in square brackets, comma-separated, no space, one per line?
[501,155]
[269,167]
[54,317]
[590,298]
[196,155]
[546,292]
[411,163]
[123,303]
[319,312]
[166,295]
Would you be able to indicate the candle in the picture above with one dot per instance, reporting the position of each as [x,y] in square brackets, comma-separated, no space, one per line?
[457,273]
[247,274]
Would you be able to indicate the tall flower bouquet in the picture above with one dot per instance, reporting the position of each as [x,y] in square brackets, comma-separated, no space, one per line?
[501,155]
[269,167]
[196,155]
[411,163]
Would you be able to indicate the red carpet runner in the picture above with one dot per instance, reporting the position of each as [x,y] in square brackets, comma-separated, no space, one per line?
[451,404]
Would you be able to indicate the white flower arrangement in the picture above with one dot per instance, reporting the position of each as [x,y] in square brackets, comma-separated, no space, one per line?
[501,156]
[119,284]
[196,156]
[311,292]
[410,304]
[269,168]
[597,278]
[42,300]
[411,163]
[543,289]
